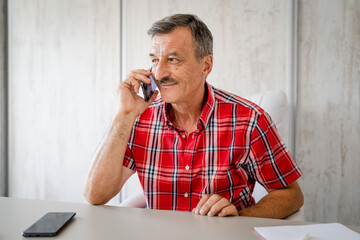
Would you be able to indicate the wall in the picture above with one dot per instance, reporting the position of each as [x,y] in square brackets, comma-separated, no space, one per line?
[64,68]
[328,124]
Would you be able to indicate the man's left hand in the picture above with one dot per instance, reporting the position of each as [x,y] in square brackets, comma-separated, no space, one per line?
[215,205]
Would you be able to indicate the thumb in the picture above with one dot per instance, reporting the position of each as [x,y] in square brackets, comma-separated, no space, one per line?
[152,98]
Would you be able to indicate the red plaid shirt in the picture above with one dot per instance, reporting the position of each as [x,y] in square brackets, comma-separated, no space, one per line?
[235,144]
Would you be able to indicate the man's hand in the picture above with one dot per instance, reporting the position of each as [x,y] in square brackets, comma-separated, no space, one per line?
[129,101]
[215,205]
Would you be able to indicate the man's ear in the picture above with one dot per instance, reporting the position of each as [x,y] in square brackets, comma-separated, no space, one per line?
[207,63]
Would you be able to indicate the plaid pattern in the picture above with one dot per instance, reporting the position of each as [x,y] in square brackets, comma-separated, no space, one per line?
[235,144]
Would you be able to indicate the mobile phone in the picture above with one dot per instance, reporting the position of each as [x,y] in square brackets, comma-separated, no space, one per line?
[148,89]
[49,225]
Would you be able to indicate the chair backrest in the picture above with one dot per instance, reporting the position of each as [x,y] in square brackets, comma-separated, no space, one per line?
[276,105]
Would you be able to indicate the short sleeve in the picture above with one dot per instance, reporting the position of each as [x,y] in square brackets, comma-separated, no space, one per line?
[271,164]
[128,159]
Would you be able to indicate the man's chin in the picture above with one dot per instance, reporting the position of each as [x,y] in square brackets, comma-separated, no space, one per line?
[168,98]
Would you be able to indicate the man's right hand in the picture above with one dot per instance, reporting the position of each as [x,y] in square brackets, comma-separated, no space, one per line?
[129,102]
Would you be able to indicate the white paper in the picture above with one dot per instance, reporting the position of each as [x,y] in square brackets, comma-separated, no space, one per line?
[328,231]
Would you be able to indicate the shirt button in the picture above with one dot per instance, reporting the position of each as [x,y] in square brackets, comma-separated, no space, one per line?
[186,194]
[183,136]
[187,167]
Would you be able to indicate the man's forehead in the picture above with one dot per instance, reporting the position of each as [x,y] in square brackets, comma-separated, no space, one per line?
[172,42]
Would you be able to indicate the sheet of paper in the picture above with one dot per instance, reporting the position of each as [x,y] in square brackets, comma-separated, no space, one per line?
[328,231]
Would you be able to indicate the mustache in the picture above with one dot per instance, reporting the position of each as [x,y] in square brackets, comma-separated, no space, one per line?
[167,80]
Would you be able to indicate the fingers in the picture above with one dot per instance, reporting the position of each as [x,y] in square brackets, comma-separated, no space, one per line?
[129,101]
[198,209]
[230,210]
[135,78]
[213,205]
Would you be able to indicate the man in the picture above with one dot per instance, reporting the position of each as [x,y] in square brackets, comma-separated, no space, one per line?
[196,148]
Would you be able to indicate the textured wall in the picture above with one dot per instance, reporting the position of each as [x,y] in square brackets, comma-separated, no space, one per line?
[328,123]
[64,69]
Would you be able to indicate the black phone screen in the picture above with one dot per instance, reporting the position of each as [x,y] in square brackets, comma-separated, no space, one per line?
[49,225]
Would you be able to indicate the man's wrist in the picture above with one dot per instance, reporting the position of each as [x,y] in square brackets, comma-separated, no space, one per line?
[123,123]
[248,212]
[124,118]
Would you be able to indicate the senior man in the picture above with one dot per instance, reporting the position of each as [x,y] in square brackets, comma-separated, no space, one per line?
[195,148]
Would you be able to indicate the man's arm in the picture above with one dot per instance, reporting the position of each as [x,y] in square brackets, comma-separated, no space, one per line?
[278,203]
[106,174]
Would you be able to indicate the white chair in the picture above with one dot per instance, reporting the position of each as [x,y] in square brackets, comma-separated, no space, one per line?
[276,105]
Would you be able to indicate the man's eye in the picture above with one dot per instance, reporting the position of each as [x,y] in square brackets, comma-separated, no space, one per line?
[173,60]
[154,61]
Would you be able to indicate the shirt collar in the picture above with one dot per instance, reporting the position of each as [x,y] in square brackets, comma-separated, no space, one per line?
[205,113]
[208,107]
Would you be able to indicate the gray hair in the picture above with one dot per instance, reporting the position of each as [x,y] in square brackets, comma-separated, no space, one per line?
[203,39]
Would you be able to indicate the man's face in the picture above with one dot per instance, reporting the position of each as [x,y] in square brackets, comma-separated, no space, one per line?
[176,68]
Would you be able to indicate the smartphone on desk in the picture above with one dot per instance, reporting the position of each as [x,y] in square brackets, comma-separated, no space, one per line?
[148,89]
[49,225]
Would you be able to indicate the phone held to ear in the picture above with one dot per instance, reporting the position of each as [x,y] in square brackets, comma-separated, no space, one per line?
[49,225]
[148,89]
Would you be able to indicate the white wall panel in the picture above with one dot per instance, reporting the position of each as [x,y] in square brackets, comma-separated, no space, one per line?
[64,69]
[328,122]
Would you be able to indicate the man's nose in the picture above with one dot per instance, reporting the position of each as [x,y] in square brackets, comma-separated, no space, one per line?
[161,70]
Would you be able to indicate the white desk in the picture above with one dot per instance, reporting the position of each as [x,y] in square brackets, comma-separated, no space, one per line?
[111,222]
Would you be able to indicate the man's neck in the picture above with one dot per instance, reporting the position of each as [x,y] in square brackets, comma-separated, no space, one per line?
[186,114]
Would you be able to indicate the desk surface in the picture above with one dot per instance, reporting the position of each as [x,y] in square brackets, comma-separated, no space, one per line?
[112,222]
